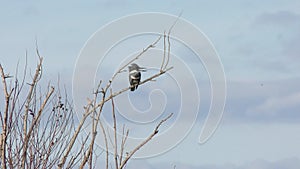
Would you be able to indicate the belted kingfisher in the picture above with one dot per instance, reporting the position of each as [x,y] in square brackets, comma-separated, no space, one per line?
[135,75]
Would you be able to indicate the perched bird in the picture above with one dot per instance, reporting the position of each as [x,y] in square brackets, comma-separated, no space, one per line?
[135,75]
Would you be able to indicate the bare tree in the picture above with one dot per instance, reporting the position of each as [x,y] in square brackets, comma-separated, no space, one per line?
[33,123]
[38,128]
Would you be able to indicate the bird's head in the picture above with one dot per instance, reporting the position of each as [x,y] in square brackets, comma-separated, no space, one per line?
[134,66]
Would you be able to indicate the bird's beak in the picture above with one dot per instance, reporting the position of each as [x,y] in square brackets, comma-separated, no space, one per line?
[142,69]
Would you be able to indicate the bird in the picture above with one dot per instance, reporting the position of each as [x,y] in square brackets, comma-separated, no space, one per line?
[135,75]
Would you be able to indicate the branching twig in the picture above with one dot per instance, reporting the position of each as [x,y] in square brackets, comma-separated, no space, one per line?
[164,66]
[115,132]
[27,106]
[33,125]
[137,57]
[73,159]
[124,139]
[95,121]
[144,142]
[106,145]
[73,139]
[3,136]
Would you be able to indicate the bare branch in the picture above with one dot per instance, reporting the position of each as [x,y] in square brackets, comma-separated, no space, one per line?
[115,132]
[106,145]
[3,137]
[73,158]
[169,50]
[124,139]
[33,125]
[164,56]
[137,57]
[29,96]
[144,142]
[141,83]
[94,128]
[73,139]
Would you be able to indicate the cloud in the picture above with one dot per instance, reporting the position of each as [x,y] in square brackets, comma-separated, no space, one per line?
[284,26]
[290,163]
[285,107]
[264,45]
[279,18]
[263,100]
[291,48]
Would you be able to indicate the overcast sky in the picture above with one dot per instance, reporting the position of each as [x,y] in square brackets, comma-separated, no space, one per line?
[257,42]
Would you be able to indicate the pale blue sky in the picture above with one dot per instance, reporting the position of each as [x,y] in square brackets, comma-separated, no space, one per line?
[257,41]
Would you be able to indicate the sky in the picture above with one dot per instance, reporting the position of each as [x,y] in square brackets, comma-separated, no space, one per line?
[257,43]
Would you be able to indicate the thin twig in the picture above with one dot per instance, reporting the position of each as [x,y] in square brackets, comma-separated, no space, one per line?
[121,69]
[169,50]
[33,124]
[169,43]
[94,128]
[115,132]
[74,137]
[27,106]
[3,136]
[124,139]
[144,142]
[137,57]
[164,56]
[106,144]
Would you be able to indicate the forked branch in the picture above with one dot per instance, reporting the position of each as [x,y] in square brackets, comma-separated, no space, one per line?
[155,131]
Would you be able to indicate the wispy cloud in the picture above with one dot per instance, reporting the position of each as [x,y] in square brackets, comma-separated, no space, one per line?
[279,18]
[289,163]
[279,107]
[263,100]
[264,45]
